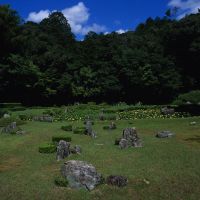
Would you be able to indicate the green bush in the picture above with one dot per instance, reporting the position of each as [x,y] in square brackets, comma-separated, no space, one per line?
[47,148]
[79,130]
[61,181]
[58,138]
[106,127]
[193,97]
[67,128]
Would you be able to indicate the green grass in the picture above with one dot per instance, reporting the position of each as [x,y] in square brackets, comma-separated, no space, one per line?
[172,166]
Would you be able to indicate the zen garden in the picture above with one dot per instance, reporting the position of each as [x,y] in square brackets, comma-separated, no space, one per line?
[114,116]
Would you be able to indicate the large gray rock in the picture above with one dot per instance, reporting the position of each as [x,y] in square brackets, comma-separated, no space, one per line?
[165,134]
[80,174]
[63,150]
[130,134]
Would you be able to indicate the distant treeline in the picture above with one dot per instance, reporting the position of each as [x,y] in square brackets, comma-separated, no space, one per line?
[44,64]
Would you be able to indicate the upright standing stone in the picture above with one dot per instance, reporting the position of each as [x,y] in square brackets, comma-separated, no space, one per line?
[63,150]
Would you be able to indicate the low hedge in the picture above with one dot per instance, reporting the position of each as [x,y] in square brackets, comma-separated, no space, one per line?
[58,138]
[67,128]
[106,127]
[61,181]
[47,148]
[79,130]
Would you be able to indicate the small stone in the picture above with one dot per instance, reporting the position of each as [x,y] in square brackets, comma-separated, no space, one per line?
[164,134]
[119,181]
[6,115]
[193,123]
[167,111]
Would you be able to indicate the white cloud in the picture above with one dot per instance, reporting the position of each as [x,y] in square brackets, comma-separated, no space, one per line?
[185,7]
[77,16]
[38,17]
[121,31]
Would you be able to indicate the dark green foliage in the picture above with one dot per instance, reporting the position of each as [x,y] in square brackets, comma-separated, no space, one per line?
[193,97]
[47,148]
[67,128]
[79,130]
[117,141]
[58,138]
[106,127]
[61,181]
[43,63]
[24,117]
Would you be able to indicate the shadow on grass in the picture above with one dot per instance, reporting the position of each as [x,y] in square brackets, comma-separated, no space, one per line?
[196,138]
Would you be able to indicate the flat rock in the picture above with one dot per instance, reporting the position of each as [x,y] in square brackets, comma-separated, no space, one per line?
[165,134]
[80,174]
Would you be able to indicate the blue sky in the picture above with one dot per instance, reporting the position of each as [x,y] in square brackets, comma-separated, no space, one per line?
[101,15]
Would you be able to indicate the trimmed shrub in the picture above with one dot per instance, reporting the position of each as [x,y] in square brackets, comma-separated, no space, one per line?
[106,127]
[24,117]
[58,138]
[47,148]
[67,128]
[79,130]
[61,181]
[117,141]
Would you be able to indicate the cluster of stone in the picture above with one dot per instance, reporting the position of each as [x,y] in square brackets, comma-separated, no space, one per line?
[43,118]
[13,129]
[64,150]
[130,138]
[80,174]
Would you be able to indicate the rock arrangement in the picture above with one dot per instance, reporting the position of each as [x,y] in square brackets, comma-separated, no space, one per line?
[43,118]
[119,181]
[167,111]
[112,126]
[130,138]
[164,134]
[80,174]
[76,150]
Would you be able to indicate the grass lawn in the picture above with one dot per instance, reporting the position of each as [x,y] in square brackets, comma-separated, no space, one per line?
[172,166]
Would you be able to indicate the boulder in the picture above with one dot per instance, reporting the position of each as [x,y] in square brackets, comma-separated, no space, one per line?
[130,134]
[123,144]
[89,131]
[164,134]
[80,174]
[119,181]
[63,150]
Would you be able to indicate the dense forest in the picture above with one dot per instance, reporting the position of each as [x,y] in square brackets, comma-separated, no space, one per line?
[43,63]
